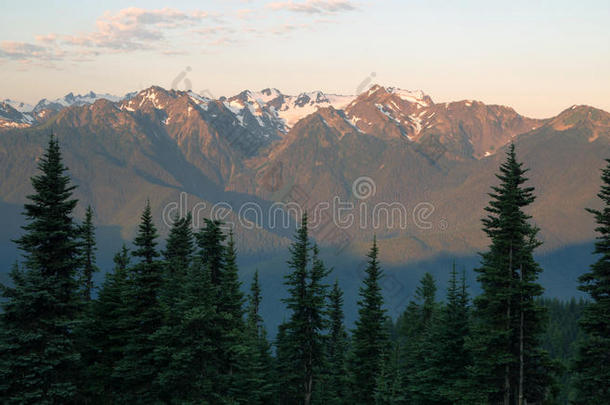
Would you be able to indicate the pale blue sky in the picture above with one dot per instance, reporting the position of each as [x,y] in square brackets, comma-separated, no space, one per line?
[536,56]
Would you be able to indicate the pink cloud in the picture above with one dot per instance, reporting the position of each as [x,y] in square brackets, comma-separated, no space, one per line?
[134,28]
[314,6]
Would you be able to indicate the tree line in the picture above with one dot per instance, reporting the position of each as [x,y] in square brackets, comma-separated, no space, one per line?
[173,325]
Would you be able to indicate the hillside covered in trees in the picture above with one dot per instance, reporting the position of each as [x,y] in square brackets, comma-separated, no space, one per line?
[175,325]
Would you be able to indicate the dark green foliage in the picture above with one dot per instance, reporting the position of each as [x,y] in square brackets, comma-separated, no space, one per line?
[560,339]
[146,240]
[334,389]
[451,357]
[440,374]
[288,385]
[180,247]
[211,252]
[389,388]
[426,295]
[178,258]
[38,355]
[417,330]
[256,383]
[143,316]
[592,364]
[303,340]
[508,277]
[87,254]
[191,373]
[231,321]
[106,332]
[370,337]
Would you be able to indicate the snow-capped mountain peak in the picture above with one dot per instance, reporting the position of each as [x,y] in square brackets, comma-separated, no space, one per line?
[18,105]
[72,100]
[417,97]
[293,108]
[268,94]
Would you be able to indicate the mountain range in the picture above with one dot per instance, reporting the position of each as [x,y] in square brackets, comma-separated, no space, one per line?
[261,148]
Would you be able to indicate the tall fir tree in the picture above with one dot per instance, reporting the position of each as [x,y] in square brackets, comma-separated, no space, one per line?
[335,377]
[591,366]
[442,377]
[370,340]
[417,349]
[452,356]
[143,316]
[287,391]
[389,388]
[254,319]
[192,373]
[87,254]
[38,356]
[106,333]
[257,382]
[231,315]
[178,258]
[211,249]
[304,340]
[425,293]
[180,247]
[508,365]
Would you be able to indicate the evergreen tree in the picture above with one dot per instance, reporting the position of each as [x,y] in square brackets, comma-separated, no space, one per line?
[38,356]
[106,332]
[418,343]
[192,373]
[146,239]
[304,339]
[335,384]
[445,361]
[560,340]
[509,366]
[426,294]
[370,338]
[257,385]
[211,249]
[231,315]
[254,319]
[87,257]
[178,257]
[288,386]
[592,380]
[419,313]
[389,389]
[143,316]
[180,247]
[453,356]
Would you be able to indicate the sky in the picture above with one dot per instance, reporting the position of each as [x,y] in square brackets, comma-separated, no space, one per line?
[538,57]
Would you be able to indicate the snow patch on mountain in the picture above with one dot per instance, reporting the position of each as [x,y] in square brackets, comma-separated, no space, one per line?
[19,105]
[294,108]
[417,96]
[73,100]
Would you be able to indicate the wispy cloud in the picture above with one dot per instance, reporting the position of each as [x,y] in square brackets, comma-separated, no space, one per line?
[47,39]
[135,28]
[23,50]
[288,28]
[244,13]
[166,31]
[314,6]
[126,30]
